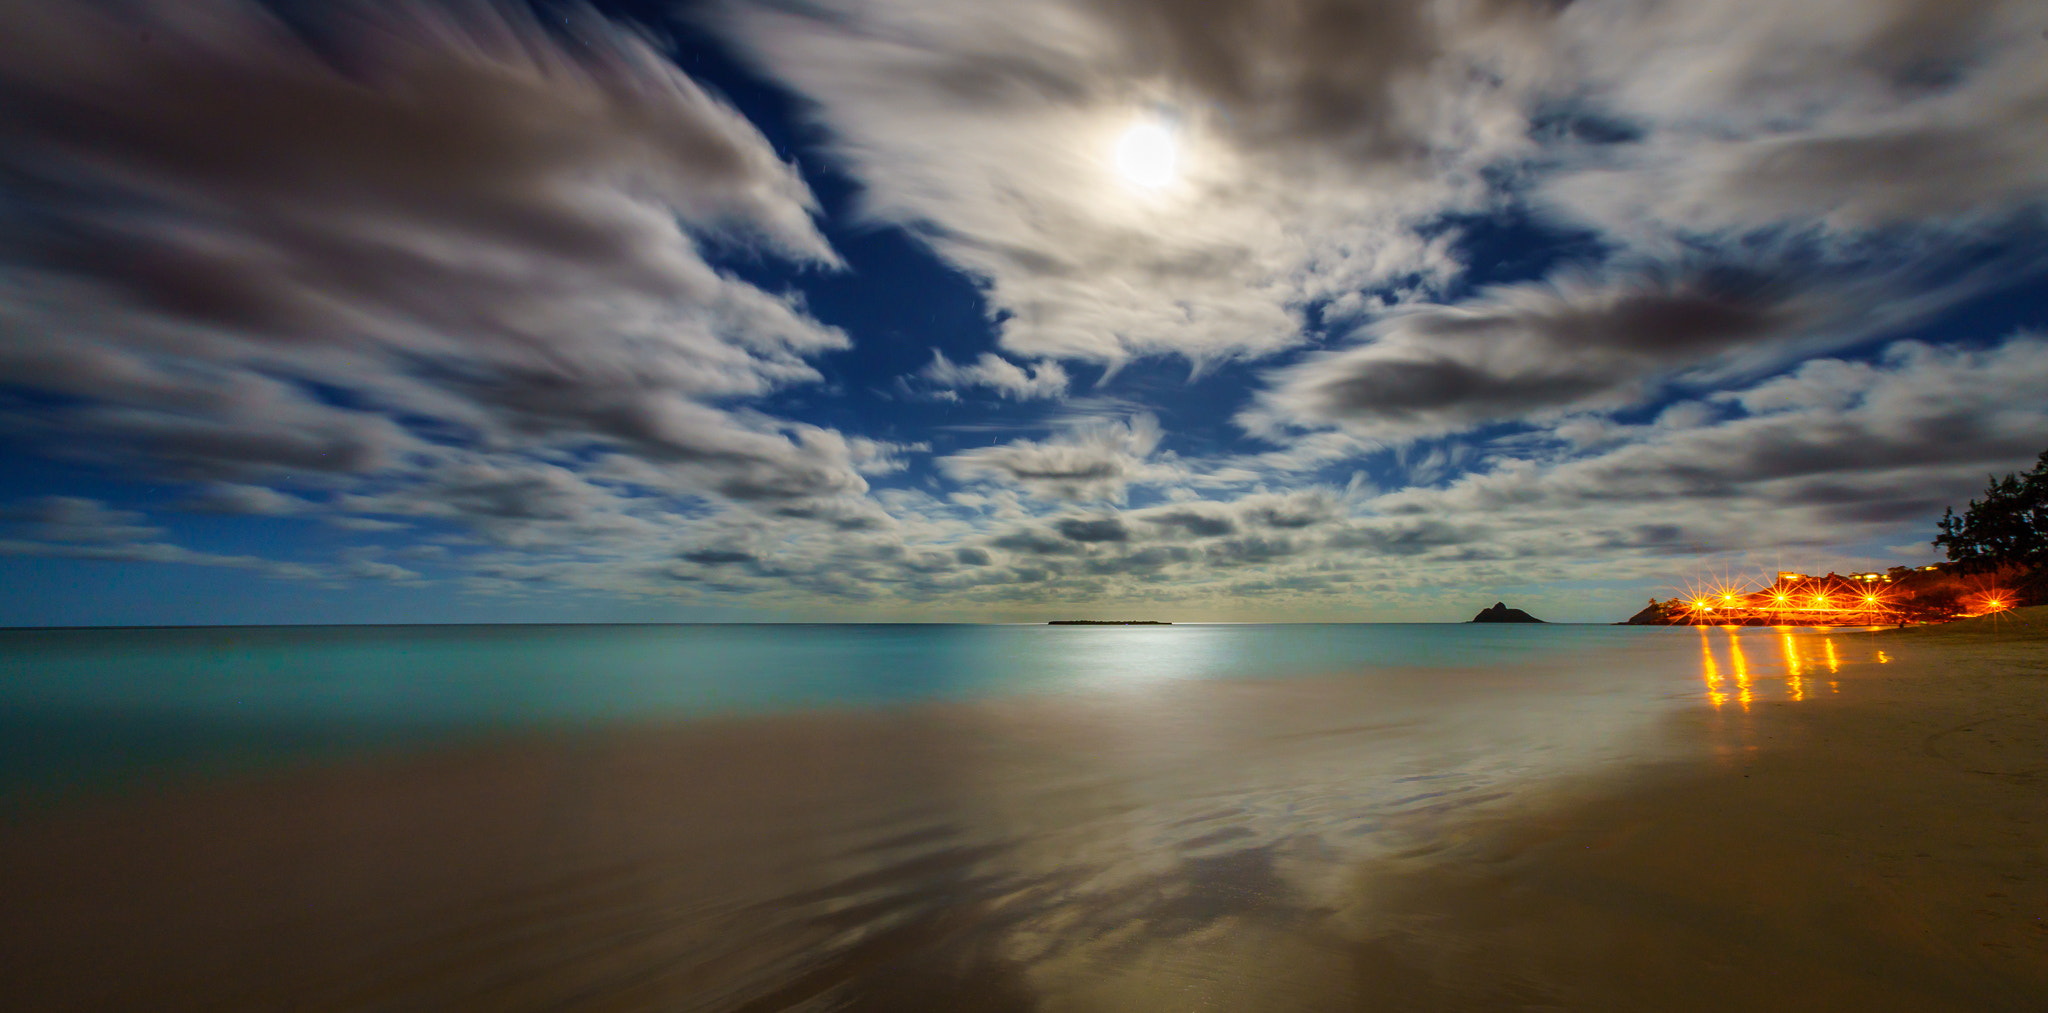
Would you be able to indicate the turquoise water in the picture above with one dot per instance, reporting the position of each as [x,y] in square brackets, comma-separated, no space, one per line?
[1135,817]
[87,707]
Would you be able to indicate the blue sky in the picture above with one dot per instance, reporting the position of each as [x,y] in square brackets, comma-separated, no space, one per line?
[904,310]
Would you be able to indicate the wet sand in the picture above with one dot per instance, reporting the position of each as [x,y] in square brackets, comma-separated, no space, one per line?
[1867,835]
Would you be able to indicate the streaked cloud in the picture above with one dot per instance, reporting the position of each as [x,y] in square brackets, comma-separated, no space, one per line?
[246,255]
[1094,461]
[1044,380]
[1438,294]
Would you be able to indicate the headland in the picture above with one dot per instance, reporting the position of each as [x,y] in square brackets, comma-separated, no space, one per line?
[1898,596]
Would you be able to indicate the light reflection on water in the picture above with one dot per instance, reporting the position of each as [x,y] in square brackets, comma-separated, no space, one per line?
[1777,673]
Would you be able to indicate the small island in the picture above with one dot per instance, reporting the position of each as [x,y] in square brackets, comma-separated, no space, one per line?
[1107,622]
[1501,613]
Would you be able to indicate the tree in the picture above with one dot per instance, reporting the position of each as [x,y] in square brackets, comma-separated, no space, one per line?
[2009,526]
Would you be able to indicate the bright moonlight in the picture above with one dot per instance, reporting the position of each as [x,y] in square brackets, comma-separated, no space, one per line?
[1145,154]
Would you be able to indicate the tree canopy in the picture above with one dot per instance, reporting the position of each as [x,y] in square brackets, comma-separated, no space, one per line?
[2010,525]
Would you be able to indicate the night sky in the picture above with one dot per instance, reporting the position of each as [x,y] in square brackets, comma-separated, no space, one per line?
[1004,310]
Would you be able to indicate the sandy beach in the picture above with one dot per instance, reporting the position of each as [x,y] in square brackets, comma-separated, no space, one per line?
[1873,837]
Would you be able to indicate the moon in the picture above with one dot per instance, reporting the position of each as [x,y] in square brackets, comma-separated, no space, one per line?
[1145,154]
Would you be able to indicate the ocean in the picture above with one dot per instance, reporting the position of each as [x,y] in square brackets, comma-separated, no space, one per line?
[886,818]
[92,709]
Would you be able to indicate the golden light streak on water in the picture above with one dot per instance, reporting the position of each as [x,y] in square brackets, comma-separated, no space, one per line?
[1793,681]
[1834,664]
[1711,672]
[1741,666]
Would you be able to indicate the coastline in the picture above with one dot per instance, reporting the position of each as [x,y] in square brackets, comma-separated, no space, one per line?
[1881,849]
[1884,851]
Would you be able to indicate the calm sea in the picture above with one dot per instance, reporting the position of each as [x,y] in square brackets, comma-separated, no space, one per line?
[96,708]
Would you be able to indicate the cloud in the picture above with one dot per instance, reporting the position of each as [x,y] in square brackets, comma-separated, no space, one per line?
[71,527]
[718,557]
[256,500]
[362,563]
[77,520]
[1518,350]
[1314,138]
[449,271]
[1831,453]
[1254,549]
[1096,461]
[1844,116]
[1033,542]
[247,251]
[1044,380]
[1325,143]
[1305,508]
[1093,529]
[1195,522]
[1538,351]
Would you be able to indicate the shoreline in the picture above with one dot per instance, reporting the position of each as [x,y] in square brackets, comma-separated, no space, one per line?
[1841,851]
[1884,851]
